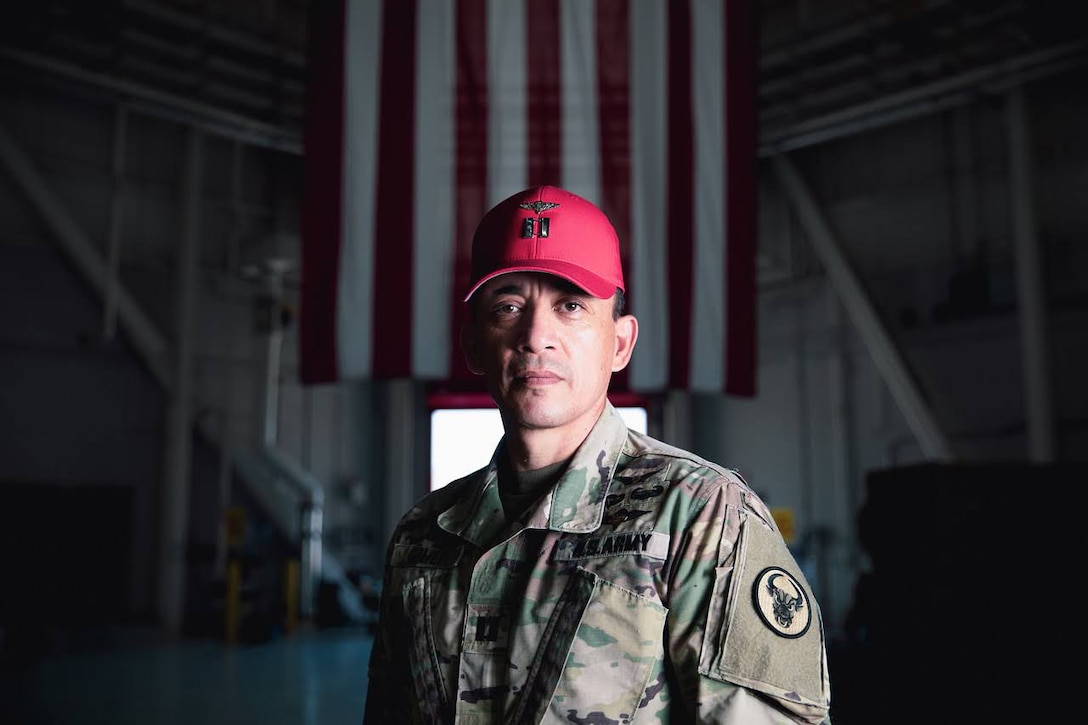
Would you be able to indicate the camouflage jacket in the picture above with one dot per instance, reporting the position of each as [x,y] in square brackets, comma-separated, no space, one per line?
[648,585]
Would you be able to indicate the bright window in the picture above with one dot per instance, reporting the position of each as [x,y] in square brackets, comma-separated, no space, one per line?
[463,439]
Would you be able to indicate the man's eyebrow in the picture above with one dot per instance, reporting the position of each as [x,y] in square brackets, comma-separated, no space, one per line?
[560,284]
[569,287]
[507,289]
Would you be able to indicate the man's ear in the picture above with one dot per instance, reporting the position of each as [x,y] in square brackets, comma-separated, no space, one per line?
[626,335]
[469,348]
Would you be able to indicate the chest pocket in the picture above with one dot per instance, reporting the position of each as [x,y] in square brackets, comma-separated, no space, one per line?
[602,645]
[424,576]
[428,579]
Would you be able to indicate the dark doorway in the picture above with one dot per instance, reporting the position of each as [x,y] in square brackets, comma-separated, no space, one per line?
[65,558]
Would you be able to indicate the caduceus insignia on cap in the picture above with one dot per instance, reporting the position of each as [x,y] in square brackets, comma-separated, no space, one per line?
[528,226]
[539,206]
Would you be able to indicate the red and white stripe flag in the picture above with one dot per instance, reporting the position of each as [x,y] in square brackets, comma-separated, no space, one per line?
[421,114]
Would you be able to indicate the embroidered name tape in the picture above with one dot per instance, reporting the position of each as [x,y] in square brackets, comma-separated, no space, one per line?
[653,544]
[425,556]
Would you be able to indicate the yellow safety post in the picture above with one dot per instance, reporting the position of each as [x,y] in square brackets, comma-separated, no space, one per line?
[290,596]
[232,601]
[783,517]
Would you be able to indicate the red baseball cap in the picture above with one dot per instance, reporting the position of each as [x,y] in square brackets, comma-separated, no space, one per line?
[548,229]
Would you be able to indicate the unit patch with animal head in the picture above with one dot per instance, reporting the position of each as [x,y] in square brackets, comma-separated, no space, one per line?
[781,602]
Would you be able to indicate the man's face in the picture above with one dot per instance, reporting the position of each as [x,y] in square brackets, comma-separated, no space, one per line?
[547,348]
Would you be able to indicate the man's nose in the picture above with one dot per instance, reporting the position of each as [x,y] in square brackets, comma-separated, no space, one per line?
[537,329]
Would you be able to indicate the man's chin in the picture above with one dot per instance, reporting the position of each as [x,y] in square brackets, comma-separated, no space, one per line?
[534,410]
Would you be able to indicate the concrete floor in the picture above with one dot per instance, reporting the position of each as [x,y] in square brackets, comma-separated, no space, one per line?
[307,678]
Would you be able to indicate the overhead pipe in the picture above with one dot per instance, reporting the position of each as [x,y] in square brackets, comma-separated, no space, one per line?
[923,100]
[875,22]
[177,458]
[227,36]
[895,108]
[170,106]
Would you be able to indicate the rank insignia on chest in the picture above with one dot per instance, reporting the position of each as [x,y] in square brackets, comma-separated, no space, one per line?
[486,629]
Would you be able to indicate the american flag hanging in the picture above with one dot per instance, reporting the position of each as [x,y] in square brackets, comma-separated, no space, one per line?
[421,114]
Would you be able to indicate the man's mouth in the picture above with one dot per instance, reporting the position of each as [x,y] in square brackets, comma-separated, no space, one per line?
[527,373]
[537,377]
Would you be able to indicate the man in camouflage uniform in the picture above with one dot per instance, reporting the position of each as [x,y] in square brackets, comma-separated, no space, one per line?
[588,573]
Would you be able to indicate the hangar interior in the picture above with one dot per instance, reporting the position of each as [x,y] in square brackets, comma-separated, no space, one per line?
[922,299]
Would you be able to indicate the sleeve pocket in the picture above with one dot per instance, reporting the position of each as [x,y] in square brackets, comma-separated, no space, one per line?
[764,630]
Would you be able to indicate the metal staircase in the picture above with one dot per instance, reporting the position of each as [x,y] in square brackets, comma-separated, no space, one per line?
[291,497]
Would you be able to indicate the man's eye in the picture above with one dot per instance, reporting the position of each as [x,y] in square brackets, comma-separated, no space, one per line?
[572,306]
[505,308]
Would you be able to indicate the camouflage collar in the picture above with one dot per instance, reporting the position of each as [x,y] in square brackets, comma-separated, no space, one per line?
[574,505]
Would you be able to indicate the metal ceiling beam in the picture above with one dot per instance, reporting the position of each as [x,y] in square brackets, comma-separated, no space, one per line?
[145,337]
[188,22]
[844,281]
[923,100]
[879,112]
[156,353]
[169,106]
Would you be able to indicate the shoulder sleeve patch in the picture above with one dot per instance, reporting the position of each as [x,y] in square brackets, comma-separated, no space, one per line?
[781,602]
[769,633]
